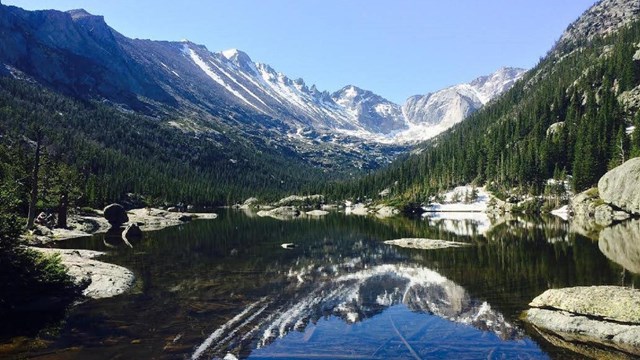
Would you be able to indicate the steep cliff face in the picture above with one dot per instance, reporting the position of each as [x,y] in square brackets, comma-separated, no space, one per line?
[76,53]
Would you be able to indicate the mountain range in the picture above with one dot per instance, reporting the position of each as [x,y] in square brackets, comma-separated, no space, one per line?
[176,121]
[198,91]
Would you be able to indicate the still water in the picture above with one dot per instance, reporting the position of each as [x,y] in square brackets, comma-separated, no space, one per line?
[216,287]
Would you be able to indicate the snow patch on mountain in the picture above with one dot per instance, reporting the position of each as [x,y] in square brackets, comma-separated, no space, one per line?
[350,112]
[429,115]
[214,76]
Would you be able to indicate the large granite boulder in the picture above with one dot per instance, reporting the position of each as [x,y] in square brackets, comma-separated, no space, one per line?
[621,186]
[115,215]
[601,315]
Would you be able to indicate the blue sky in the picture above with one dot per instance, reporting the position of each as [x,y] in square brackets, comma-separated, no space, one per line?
[396,48]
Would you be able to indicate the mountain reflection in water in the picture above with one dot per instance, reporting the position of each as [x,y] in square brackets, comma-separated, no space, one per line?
[353,291]
[210,288]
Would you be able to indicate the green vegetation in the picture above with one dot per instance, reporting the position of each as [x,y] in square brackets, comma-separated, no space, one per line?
[29,280]
[97,153]
[564,116]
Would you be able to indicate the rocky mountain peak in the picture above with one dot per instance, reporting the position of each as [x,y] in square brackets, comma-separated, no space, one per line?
[81,13]
[238,57]
[603,18]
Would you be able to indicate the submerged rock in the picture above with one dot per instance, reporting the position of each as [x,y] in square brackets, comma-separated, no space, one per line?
[426,244]
[621,243]
[132,231]
[619,186]
[603,315]
[317,213]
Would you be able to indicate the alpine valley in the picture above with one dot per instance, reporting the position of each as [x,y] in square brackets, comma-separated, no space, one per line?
[161,200]
[224,98]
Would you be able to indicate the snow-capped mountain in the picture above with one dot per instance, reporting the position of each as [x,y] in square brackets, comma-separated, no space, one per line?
[370,111]
[349,111]
[212,93]
[430,114]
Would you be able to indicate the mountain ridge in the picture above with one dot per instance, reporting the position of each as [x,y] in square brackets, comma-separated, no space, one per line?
[162,77]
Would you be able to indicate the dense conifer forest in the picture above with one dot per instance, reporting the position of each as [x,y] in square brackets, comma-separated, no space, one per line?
[97,153]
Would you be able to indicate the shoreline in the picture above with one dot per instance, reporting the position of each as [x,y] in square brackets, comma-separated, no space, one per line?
[106,279]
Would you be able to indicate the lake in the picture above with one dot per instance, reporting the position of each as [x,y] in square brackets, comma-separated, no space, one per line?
[216,287]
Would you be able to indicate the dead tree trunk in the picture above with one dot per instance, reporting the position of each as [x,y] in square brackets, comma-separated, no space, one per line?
[63,210]
[34,185]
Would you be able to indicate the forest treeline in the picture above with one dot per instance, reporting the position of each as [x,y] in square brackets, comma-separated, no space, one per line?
[97,153]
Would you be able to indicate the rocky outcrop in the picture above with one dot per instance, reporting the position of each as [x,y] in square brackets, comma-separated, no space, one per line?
[619,186]
[584,204]
[387,211]
[605,215]
[115,214]
[298,200]
[425,244]
[621,243]
[281,213]
[357,209]
[150,219]
[105,280]
[249,203]
[602,315]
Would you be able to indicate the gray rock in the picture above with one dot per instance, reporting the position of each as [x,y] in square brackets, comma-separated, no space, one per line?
[281,213]
[173,209]
[40,230]
[115,215]
[603,315]
[387,211]
[613,303]
[621,243]
[584,330]
[621,216]
[620,187]
[317,213]
[132,231]
[106,280]
[604,215]
[585,203]
[250,201]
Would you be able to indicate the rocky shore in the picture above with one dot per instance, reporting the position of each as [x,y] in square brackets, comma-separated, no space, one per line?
[148,219]
[593,316]
[588,319]
[105,280]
